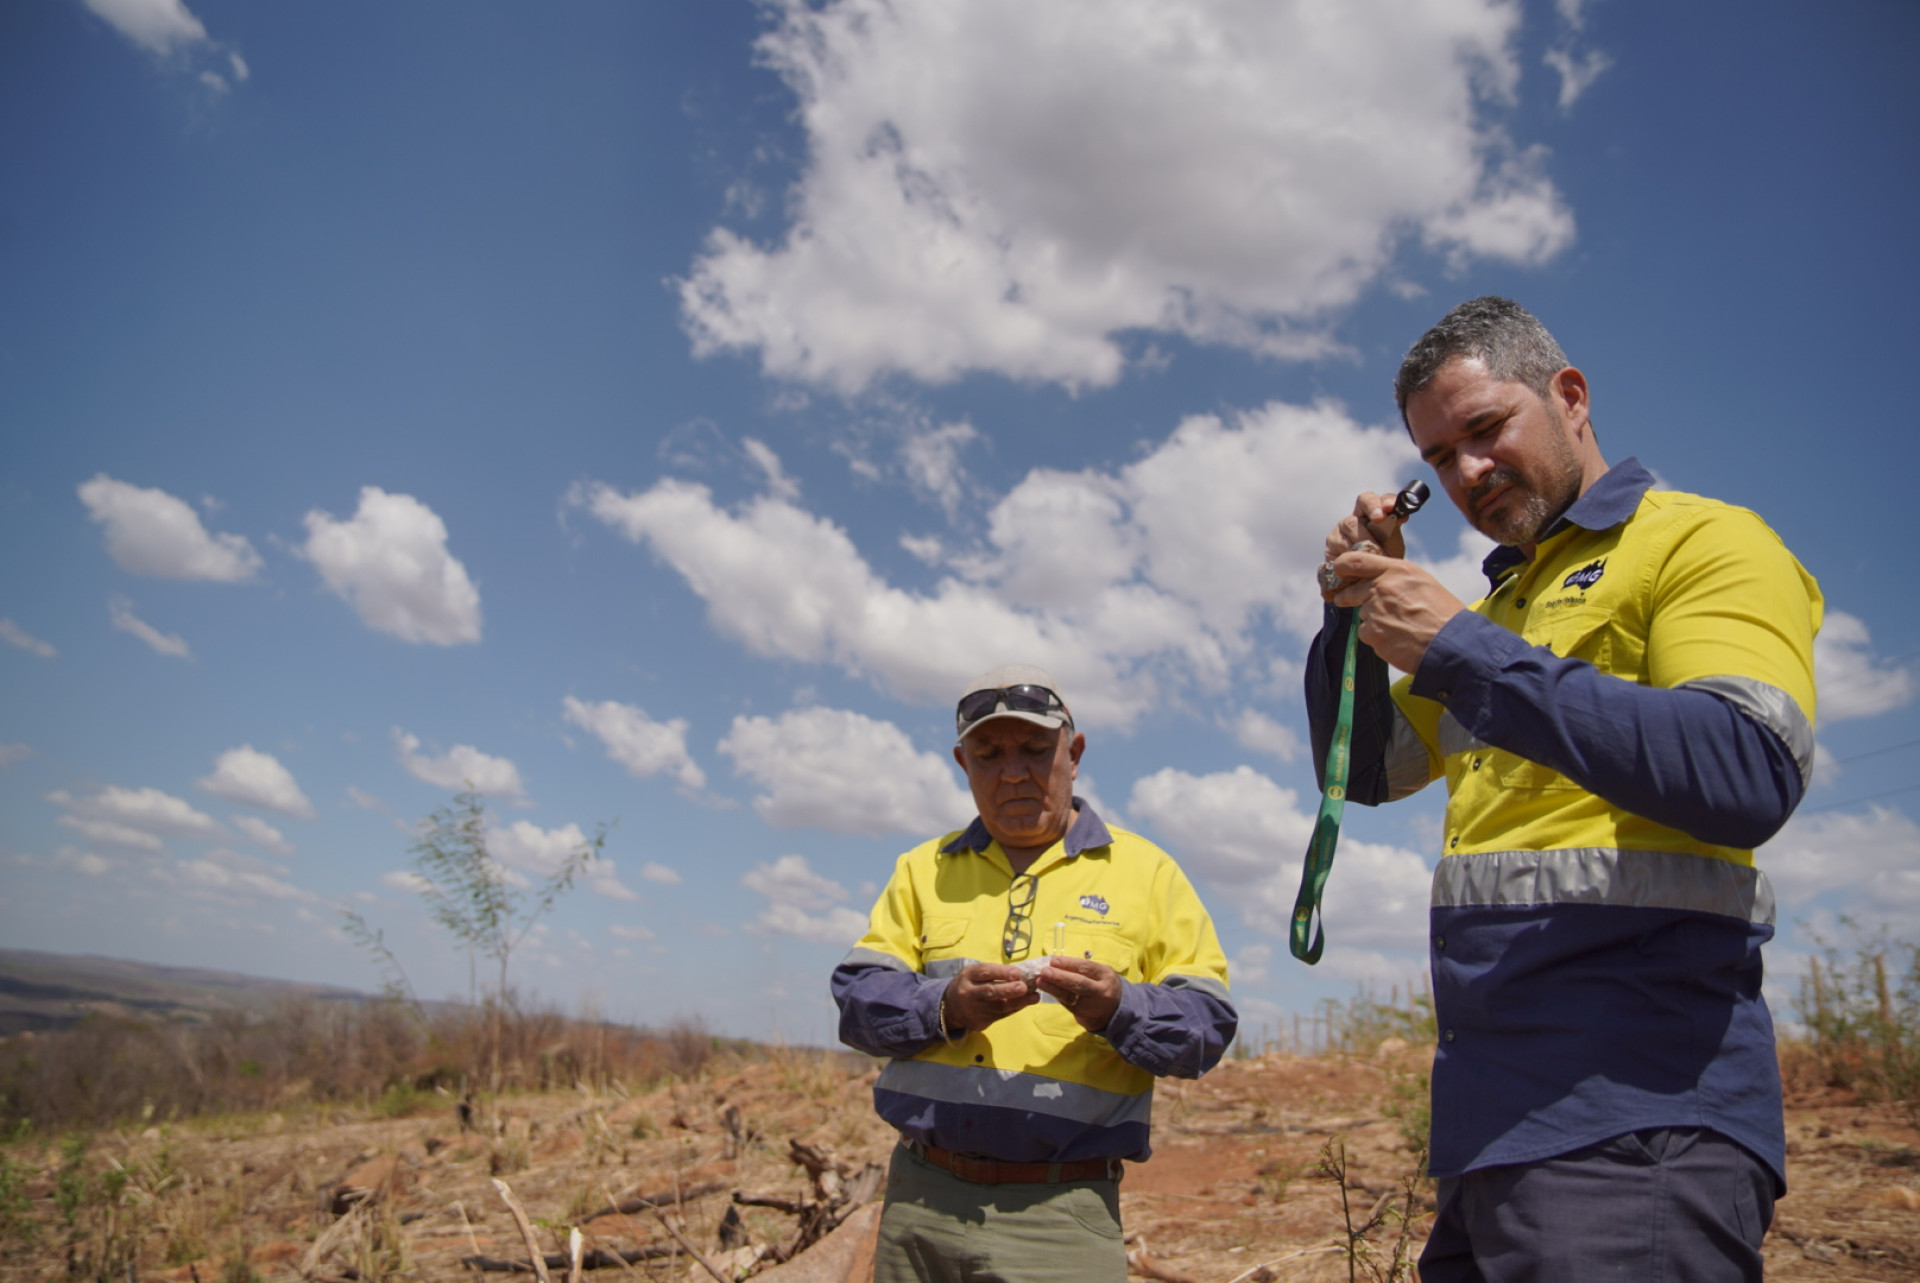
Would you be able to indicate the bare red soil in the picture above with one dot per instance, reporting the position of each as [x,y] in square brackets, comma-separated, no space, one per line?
[1233,1191]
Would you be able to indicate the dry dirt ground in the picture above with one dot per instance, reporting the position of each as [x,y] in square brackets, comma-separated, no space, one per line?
[1232,1192]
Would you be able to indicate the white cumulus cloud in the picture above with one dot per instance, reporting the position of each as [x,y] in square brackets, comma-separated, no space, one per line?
[462,767]
[1852,681]
[120,612]
[1008,187]
[791,880]
[660,874]
[1242,833]
[107,833]
[147,810]
[1117,582]
[839,926]
[225,876]
[1867,862]
[252,778]
[262,834]
[803,904]
[406,880]
[150,532]
[84,862]
[1255,730]
[645,747]
[526,846]
[1250,964]
[836,770]
[171,32]
[390,563]
[158,26]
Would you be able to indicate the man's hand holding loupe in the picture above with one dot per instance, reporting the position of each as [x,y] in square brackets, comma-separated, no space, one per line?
[1399,607]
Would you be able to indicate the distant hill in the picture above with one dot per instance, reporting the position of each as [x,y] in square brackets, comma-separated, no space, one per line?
[43,991]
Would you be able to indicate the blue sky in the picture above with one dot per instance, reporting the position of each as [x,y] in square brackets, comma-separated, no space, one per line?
[656,413]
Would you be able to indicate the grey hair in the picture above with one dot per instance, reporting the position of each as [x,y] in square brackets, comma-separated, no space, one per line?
[1498,331]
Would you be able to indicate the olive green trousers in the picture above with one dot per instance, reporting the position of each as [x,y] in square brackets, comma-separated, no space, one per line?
[938,1228]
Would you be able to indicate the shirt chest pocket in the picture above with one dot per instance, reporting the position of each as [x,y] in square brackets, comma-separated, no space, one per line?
[1579,633]
[943,941]
[1097,944]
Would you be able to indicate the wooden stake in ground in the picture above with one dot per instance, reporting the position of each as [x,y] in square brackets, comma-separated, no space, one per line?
[534,1253]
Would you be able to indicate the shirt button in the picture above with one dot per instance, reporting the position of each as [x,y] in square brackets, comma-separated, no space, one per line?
[1449,1035]
[1443,696]
[1476,763]
[1454,840]
[1440,942]
[1519,603]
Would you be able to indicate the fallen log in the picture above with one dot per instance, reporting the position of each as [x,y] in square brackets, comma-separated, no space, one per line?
[779,1202]
[664,1198]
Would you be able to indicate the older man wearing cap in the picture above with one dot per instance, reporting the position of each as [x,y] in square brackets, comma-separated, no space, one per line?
[1029,976]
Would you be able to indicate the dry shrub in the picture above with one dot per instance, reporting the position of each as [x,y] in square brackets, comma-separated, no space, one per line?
[381,1055]
[1861,1017]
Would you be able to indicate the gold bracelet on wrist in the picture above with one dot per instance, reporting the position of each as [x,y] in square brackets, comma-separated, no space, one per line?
[942,1017]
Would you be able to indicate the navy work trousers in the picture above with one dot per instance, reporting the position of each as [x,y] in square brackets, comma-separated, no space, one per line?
[1676,1205]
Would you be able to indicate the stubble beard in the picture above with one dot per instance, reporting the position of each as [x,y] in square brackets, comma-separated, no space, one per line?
[1531,508]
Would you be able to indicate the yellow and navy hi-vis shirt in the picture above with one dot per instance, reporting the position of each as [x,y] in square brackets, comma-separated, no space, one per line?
[1619,721]
[1035,1086]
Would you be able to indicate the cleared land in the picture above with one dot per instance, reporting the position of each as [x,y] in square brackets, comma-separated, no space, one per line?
[1233,1191]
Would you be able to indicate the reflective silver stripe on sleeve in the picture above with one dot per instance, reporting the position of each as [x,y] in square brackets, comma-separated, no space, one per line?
[1199,984]
[1603,875]
[1455,738]
[1770,706]
[873,958]
[1409,769]
[947,968]
[1035,1093]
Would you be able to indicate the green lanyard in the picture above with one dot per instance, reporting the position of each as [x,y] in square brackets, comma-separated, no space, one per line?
[1326,829]
[1333,802]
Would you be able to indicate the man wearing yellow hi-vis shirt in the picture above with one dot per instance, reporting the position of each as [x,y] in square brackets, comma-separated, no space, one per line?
[1620,721]
[1029,975]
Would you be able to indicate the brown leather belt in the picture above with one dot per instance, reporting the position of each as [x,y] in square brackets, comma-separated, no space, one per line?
[991,1171]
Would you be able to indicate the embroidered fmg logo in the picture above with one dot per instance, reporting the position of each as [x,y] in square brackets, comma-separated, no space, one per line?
[1098,903]
[1587,576]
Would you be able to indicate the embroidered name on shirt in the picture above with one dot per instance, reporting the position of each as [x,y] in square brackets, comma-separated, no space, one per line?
[1587,576]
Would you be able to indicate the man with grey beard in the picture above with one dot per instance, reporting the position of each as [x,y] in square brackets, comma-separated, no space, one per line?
[1624,716]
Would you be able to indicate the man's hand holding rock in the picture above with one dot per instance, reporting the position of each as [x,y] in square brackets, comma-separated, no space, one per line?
[1089,990]
[985,992]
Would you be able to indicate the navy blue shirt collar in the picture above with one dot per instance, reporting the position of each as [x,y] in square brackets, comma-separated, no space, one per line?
[1087,832]
[1607,502]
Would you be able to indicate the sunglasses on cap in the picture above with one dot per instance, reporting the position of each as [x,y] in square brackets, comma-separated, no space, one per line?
[1018,699]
